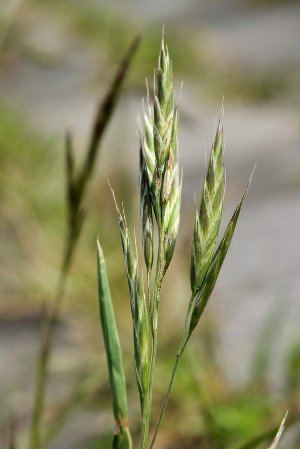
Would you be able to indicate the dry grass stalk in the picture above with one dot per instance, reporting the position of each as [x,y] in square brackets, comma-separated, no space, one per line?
[277,438]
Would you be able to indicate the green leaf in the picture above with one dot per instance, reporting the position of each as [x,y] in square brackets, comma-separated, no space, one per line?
[122,438]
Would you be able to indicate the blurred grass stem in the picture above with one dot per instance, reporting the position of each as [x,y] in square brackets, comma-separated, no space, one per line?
[76,187]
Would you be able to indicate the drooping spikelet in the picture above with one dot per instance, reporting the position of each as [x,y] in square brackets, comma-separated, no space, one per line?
[208,217]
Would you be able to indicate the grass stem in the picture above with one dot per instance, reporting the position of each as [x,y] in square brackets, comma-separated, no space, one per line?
[154,318]
[76,188]
[164,404]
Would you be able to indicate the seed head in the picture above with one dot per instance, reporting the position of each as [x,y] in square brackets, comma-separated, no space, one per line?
[160,154]
[202,295]
[208,218]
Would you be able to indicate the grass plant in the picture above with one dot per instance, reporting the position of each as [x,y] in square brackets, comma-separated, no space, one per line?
[160,196]
[160,191]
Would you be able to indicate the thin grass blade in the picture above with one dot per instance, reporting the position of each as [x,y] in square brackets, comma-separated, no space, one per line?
[277,438]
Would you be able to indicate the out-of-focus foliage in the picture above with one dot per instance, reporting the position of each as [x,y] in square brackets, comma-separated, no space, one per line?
[99,26]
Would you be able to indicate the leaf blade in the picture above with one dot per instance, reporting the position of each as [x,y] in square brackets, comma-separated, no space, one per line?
[114,356]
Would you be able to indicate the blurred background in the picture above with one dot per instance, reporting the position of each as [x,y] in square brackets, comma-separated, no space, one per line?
[242,370]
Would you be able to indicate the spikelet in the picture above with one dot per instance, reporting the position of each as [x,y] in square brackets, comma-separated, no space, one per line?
[139,309]
[148,153]
[146,214]
[142,340]
[200,298]
[163,106]
[208,217]
[171,198]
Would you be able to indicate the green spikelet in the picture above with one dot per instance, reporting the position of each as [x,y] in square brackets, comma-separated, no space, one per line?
[146,215]
[199,301]
[149,158]
[139,310]
[208,218]
[163,106]
[171,198]
[142,341]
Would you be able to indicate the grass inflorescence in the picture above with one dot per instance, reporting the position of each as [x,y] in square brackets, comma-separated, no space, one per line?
[160,198]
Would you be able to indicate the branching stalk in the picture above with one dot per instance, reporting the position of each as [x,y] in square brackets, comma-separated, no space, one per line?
[160,198]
